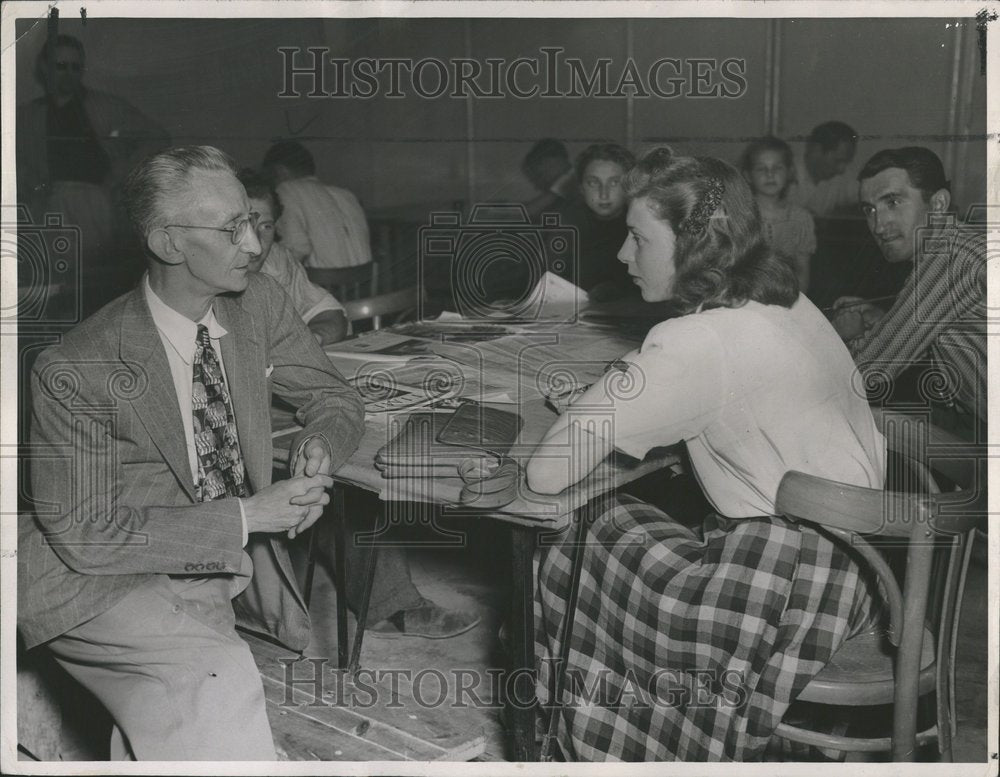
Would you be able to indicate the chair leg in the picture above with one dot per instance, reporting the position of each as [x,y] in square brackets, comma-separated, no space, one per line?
[947,718]
[917,582]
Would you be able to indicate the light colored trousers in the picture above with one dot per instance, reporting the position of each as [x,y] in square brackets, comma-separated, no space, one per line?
[169,666]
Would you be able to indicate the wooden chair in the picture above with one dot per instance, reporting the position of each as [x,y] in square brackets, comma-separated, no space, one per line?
[347,283]
[915,655]
[396,304]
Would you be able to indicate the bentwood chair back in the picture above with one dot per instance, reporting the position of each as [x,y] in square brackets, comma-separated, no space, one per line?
[396,304]
[347,283]
[911,657]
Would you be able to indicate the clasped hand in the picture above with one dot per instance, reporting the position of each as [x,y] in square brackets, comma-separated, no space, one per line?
[853,316]
[293,505]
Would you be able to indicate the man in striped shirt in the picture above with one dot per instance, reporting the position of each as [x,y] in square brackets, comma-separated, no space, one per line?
[938,321]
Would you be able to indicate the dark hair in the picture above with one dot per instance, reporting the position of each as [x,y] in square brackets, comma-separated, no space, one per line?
[545,148]
[164,175]
[830,134]
[292,155]
[749,157]
[605,152]
[43,55]
[720,254]
[260,187]
[922,165]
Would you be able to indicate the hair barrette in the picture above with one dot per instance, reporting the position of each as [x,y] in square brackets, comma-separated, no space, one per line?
[697,220]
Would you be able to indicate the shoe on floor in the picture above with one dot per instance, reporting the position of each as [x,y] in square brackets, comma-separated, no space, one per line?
[427,620]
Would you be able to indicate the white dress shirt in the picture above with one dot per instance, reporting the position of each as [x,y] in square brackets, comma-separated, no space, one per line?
[178,334]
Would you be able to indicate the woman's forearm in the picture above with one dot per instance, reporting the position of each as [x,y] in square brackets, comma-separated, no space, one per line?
[570,451]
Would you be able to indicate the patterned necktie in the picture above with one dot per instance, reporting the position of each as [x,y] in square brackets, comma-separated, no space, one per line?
[220,463]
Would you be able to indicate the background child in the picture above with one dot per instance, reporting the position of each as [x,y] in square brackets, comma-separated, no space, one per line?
[768,166]
[599,216]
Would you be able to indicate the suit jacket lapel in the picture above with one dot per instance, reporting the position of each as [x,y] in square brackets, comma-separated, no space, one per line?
[244,358]
[142,351]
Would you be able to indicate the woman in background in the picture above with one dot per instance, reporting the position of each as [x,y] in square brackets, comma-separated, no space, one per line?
[691,645]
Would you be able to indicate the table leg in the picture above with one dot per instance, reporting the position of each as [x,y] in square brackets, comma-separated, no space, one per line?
[340,571]
[519,699]
[366,595]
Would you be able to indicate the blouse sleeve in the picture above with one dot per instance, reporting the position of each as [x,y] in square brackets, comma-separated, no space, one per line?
[671,390]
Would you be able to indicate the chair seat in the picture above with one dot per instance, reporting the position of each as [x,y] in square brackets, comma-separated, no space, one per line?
[861,672]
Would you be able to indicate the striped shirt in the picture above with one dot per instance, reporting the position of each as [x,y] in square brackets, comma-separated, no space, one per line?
[939,316]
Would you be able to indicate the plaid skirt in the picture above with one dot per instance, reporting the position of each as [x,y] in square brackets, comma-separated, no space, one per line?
[685,647]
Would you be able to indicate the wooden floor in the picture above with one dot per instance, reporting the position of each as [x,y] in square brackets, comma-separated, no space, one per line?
[447,689]
[317,715]
[376,721]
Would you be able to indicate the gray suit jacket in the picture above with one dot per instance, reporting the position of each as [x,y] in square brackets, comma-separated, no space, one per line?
[110,478]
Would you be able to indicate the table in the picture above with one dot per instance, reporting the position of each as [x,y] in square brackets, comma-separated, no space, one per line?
[510,367]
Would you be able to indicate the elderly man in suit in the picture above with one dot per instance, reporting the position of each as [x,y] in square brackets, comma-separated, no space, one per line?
[157,525]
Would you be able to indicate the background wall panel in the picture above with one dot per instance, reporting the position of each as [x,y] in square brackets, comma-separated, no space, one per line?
[718,126]
[896,81]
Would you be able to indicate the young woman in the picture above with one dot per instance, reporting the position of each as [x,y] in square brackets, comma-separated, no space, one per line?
[599,217]
[789,229]
[692,645]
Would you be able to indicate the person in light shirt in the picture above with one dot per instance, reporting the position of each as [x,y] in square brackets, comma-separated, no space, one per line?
[321,225]
[319,309]
[754,380]
[822,183]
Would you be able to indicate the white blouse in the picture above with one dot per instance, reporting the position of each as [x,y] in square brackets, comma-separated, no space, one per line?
[755,391]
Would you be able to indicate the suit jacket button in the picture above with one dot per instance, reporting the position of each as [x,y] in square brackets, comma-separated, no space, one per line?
[177,608]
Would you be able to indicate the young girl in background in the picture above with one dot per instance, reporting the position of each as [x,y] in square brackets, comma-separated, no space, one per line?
[768,167]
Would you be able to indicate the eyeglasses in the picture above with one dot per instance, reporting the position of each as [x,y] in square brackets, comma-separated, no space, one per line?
[76,67]
[236,232]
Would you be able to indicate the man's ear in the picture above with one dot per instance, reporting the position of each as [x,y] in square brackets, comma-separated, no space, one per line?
[940,201]
[162,246]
